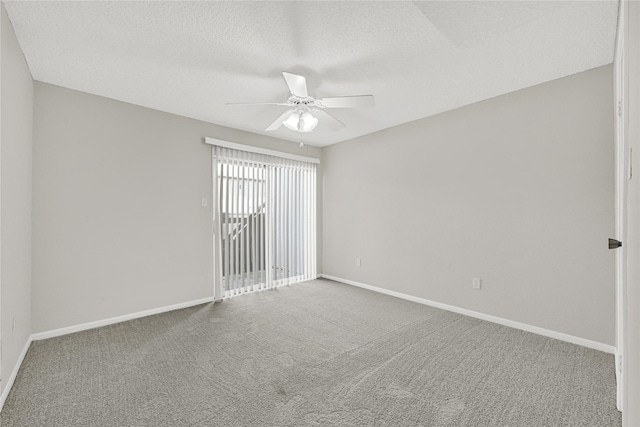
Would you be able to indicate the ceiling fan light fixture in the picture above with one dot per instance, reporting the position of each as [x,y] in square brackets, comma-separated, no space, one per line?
[307,122]
[293,121]
[299,118]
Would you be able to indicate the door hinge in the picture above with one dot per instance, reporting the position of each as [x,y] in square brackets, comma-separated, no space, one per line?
[619,108]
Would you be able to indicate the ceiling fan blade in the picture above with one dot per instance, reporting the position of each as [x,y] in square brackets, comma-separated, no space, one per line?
[257,103]
[328,120]
[347,102]
[278,122]
[297,84]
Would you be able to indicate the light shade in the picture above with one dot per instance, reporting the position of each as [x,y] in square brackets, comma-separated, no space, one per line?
[301,122]
[307,122]
[292,121]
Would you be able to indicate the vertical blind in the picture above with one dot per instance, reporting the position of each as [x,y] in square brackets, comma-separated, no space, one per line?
[264,221]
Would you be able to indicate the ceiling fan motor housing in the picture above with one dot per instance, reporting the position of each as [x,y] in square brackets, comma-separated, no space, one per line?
[307,101]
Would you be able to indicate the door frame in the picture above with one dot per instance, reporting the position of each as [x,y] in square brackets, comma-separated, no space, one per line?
[622,176]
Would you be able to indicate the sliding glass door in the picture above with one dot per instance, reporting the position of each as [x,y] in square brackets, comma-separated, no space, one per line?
[264,218]
[242,225]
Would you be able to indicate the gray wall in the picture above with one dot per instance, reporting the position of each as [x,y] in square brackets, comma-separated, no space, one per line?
[516,190]
[15,198]
[117,219]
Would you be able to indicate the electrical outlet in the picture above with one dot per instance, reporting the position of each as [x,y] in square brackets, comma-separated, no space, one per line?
[476,283]
[358,262]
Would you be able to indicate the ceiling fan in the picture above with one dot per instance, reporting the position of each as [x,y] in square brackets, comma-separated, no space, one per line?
[299,117]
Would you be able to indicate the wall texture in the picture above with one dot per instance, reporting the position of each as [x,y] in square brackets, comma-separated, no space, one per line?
[516,190]
[15,198]
[117,218]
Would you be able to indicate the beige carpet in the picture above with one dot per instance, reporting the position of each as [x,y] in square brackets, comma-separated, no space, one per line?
[313,354]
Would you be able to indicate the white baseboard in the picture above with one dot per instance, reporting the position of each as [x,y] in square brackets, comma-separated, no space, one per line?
[84,327]
[118,319]
[499,320]
[14,373]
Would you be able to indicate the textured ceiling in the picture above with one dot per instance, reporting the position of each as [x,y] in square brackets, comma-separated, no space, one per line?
[417,58]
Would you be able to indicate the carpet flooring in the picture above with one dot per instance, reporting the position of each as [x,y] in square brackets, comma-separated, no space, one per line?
[318,353]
